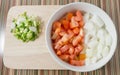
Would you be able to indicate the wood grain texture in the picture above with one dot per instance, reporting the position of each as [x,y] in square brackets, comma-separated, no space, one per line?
[31,55]
[111,7]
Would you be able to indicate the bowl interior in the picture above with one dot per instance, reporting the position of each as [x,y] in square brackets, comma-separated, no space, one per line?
[87,8]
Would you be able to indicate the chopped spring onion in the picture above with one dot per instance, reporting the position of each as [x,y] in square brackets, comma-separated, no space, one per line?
[26,28]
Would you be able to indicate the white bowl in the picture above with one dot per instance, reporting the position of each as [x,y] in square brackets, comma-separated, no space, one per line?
[87,8]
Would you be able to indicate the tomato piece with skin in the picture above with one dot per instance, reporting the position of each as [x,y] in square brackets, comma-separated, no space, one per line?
[68,38]
[62,33]
[76,40]
[77,51]
[81,32]
[59,52]
[78,16]
[65,24]
[71,50]
[69,16]
[56,33]
[77,62]
[72,57]
[70,33]
[64,48]
[56,24]
[58,44]
[57,38]
[65,38]
[81,23]
[76,30]
[64,57]
[74,23]
[80,47]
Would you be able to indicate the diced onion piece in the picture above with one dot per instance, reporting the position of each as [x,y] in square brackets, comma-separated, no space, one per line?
[100,47]
[108,40]
[86,17]
[93,44]
[89,26]
[99,56]
[87,61]
[101,35]
[89,53]
[20,19]
[98,21]
[105,51]
[33,29]
[93,60]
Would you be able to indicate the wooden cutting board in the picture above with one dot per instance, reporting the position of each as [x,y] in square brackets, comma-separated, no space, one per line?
[32,55]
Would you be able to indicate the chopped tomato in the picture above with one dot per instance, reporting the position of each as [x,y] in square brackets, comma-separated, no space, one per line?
[77,51]
[58,46]
[54,36]
[64,48]
[81,32]
[65,38]
[71,50]
[57,30]
[56,33]
[69,16]
[57,38]
[70,33]
[74,23]
[76,30]
[81,23]
[65,57]
[78,16]
[68,38]
[65,24]
[72,57]
[76,40]
[59,52]
[77,62]
[80,47]
[62,32]
[82,40]
[56,25]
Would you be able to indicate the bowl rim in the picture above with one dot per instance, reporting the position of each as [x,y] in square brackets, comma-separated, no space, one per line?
[66,65]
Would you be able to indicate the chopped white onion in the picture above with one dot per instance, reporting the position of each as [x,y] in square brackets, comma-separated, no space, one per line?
[97,39]
[97,20]
[108,40]
[87,61]
[86,17]
[33,29]
[21,19]
[93,60]
[105,51]
[89,26]
[89,52]
[93,44]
